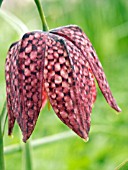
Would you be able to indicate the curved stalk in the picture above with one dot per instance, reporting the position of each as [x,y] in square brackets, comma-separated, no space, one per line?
[42,17]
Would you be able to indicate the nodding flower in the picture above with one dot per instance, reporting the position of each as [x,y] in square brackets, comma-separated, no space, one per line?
[60,65]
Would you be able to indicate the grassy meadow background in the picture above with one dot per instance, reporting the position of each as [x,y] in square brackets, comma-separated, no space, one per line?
[106,24]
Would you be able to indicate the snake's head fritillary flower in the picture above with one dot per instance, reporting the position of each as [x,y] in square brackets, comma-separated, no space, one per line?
[59,65]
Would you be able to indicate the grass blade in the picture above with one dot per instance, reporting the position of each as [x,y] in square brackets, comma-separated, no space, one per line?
[15,22]
[1,149]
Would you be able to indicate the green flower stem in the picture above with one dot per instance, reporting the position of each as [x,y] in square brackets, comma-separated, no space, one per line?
[1,149]
[27,159]
[42,17]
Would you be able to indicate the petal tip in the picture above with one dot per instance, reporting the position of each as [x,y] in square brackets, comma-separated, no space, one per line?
[25,139]
[10,135]
[10,129]
[86,140]
[118,109]
[26,135]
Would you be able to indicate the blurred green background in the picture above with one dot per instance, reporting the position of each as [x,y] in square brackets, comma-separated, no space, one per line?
[106,24]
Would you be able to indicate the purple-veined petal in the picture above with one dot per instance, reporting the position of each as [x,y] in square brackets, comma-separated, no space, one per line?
[83,70]
[85,86]
[26,63]
[68,84]
[11,84]
[81,41]
[31,64]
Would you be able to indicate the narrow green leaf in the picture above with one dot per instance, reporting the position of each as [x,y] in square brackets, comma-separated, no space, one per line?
[3,117]
[122,166]
[39,142]
[121,31]
[15,22]
[1,149]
